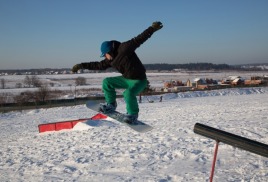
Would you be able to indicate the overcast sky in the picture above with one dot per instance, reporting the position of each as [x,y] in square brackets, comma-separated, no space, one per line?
[61,33]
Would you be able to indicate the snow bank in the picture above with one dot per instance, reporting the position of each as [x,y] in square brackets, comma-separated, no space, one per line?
[210,93]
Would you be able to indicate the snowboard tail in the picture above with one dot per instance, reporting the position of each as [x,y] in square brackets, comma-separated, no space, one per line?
[138,126]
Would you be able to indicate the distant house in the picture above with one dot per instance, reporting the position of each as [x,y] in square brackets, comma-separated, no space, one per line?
[169,90]
[189,83]
[173,83]
[167,85]
[256,80]
[199,82]
[231,80]
[226,81]
[205,84]
[237,81]
[253,82]
[234,77]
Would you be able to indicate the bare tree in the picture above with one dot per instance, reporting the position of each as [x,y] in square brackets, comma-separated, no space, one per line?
[6,97]
[32,81]
[35,81]
[2,99]
[80,81]
[3,83]
[27,81]
[18,85]
[54,94]
[25,97]
[43,93]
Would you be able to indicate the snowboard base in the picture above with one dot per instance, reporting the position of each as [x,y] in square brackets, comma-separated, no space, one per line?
[138,126]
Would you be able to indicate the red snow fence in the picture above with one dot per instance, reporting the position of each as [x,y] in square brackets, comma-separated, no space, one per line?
[230,139]
[64,125]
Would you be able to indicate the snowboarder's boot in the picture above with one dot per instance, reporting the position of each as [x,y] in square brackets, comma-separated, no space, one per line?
[107,108]
[130,118]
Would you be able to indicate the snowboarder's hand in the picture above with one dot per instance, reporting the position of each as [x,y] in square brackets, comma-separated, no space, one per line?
[76,68]
[157,25]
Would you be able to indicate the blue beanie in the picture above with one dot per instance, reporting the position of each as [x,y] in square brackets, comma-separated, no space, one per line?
[106,47]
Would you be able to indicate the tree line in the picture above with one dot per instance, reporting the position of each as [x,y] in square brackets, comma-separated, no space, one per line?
[189,66]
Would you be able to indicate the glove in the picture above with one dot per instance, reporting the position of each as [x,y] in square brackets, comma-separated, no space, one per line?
[76,68]
[157,25]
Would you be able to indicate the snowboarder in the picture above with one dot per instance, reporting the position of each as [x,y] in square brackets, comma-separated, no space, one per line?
[123,58]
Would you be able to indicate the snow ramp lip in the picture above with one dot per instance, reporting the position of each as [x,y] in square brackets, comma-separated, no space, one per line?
[64,125]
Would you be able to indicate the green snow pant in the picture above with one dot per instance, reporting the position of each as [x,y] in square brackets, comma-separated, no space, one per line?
[133,88]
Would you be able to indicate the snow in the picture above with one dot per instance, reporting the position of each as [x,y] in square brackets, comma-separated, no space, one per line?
[106,150]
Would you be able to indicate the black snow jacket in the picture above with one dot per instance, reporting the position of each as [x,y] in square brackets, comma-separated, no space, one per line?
[125,60]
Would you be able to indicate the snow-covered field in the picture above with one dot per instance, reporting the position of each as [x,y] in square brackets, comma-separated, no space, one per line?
[94,80]
[106,150]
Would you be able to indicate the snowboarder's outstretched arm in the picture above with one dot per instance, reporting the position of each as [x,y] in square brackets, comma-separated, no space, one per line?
[135,42]
[102,65]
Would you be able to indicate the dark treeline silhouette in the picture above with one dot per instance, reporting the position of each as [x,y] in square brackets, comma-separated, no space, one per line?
[189,66]
[35,71]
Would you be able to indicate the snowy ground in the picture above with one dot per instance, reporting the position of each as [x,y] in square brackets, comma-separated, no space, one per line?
[110,151]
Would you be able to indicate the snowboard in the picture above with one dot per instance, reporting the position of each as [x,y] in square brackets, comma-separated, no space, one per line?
[138,126]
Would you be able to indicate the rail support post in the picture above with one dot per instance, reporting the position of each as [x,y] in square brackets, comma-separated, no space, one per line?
[214,161]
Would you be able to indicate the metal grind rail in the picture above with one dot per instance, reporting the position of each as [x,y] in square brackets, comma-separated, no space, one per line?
[230,139]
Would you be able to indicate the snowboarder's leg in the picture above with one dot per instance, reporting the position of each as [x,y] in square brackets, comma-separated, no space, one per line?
[134,88]
[109,85]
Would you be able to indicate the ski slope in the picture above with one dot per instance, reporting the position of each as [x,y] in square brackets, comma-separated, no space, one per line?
[106,150]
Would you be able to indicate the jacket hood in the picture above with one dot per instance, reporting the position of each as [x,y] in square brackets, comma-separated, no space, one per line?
[114,48]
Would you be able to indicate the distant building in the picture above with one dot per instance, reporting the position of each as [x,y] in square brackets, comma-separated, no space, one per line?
[173,83]
[189,83]
[237,81]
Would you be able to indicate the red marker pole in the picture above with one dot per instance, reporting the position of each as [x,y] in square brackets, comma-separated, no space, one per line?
[214,161]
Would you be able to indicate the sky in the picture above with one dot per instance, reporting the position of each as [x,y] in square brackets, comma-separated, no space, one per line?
[62,33]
